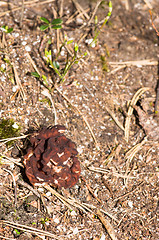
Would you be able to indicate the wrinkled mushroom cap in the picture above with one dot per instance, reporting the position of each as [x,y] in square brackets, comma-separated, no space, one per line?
[52,159]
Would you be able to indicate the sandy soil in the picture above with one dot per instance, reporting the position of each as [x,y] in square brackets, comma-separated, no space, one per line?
[116,196]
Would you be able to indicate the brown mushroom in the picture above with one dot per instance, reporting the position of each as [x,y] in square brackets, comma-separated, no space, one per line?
[52,158]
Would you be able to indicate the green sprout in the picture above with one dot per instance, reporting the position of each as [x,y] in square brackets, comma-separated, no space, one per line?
[6,29]
[71,60]
[97,32]
[44,220]
[104,63]
[42,79]
[16,231]
[55,24]
[9,129]
[61,72]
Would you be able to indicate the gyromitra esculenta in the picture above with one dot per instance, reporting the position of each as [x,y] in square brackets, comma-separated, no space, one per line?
[52,158]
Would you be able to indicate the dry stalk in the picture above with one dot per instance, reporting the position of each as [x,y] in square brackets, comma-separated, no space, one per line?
[135,63]
[19,82]
[114,118]
[116,69]
[11,160]
[26,228]
[130,110]
[22,14]
[14,184]
[107,225]
[90,190]
[110,157]
[32,63]
[13,138]
[27,4]
[131,153]
[46,93]
[128,193]
[61,9]
[57,31]
[147,2]
[127,5]
[73,203]
[105,171]
[72,18]
[84,118]
[80,9]
[68,202]
[94,12]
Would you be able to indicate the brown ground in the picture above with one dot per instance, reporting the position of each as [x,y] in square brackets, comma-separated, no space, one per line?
[128,189]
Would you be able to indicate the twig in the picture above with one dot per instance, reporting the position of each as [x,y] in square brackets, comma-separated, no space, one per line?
[32,62]
[130,110]
[27,5]
[116,69]
[80,9]
[127,5]
[14,138]
[46,93]
[4,141]
[130,155]
[148,4]
[90,190]
[105,171]
[94,12]
[107,225]
[18,82]
[114,118]
[72,18]
[12,160]
[153,25]
[135,63]
[28,229]
[128,193]
[68,202]
[14,184]
[26,185]
[22,14]
[85,120]
[103,211]
[71,202]
[61,9]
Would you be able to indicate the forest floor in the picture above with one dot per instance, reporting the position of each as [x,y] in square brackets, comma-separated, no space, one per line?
[106,102]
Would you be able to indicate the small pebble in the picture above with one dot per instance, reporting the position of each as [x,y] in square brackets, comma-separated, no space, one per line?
[28,49]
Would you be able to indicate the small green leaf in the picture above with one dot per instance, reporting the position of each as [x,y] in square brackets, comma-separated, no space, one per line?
[49,41]
[44,20]
[96,20]
[17,232]
[57,27]
[68,42]
[57,21]
[10,30]
[35,74]
[44,77]
[43,27]
[4,27]
[76,47]
[56,64]
[44,80]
